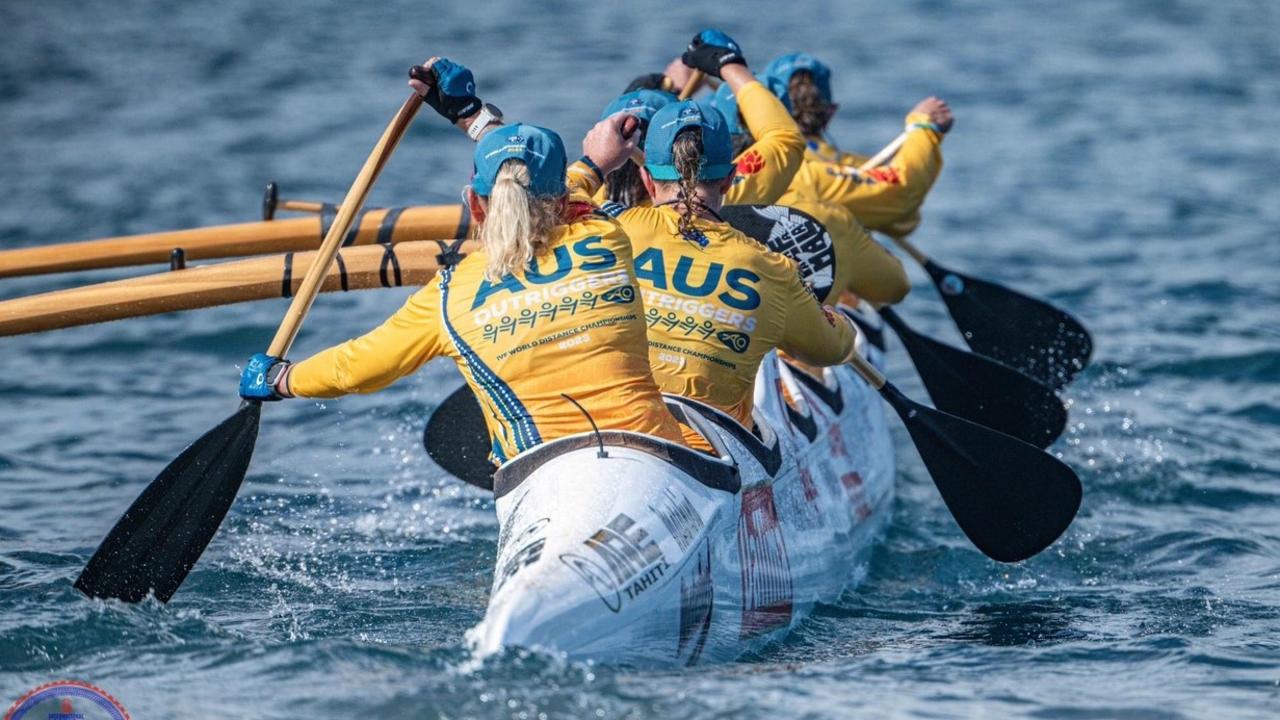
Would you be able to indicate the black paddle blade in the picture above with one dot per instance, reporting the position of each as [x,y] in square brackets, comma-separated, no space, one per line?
[161,536]
[1022,332]
[982,390]
[1011,499]
[457,439]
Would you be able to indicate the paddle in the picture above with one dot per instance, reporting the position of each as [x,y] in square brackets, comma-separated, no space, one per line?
[885,153]
[1022,332]
[457,439]
[982,390]
[970,386]
[162,535]
[691,87]
[1010,498]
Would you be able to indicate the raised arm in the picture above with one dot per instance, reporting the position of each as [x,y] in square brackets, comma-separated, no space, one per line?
[884,197]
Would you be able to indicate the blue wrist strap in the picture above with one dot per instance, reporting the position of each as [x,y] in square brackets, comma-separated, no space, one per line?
[594,168]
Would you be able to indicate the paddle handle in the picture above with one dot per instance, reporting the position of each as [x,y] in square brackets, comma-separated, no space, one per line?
[880,158]
[691,87]
[351,204]
[867,371]
[887,152]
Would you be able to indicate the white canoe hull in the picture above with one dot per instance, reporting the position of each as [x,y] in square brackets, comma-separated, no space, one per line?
[634,560]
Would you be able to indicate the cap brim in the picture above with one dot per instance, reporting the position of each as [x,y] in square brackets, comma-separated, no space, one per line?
[709,172]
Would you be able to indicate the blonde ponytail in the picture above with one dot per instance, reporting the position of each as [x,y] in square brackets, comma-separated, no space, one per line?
[517,225]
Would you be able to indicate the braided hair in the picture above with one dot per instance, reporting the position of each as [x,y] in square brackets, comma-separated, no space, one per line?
[687,152]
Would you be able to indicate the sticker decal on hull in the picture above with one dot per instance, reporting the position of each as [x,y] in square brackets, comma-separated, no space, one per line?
[697,597]
[679,516]
[624,562]
[767,591]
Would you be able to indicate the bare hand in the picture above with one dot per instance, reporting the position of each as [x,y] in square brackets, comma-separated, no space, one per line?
[611,142]
[418,86]
[938,111]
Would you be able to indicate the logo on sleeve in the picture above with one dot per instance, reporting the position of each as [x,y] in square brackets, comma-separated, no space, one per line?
[750,163]
[885,175]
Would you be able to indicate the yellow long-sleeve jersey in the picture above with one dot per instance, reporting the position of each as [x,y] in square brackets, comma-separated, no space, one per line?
[717,302]
[887,198]
[572,323]
[764,170]
[861,265]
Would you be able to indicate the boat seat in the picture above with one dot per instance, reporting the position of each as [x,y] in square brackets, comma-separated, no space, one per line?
[769,456]
[715,474]
[831,397]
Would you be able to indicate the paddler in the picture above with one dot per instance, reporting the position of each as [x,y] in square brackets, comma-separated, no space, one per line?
[886,199]
[549,307]
[623,187]
[716,301]
[765,169]
[860,266]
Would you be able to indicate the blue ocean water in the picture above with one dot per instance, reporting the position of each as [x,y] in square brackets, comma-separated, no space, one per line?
[1119,158]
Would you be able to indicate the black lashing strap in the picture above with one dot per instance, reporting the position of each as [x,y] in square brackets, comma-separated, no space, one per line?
[388,226]
[342,272]
[329,213]
[464,223]
[286,278]
[389,261]
[449,255]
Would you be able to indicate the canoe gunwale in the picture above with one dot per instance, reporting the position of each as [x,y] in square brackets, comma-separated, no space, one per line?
[715,473]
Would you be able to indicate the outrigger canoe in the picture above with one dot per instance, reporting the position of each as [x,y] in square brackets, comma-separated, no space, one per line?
[622,548]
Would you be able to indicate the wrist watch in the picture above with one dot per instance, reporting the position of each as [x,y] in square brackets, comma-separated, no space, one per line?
[275,374]
[489,115]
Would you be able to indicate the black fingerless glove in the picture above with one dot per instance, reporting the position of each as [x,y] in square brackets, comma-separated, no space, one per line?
[452,89]
[711,50]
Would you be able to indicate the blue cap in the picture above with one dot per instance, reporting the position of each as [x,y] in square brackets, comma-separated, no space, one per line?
[641,103]
[717,148]
[785,66]
[727,103]
[540,149]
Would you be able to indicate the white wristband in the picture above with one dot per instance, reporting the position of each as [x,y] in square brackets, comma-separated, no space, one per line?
[482,122]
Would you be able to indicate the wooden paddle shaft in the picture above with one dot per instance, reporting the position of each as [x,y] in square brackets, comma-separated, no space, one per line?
[909,248]
[867,371]
[440,222]
[879,159]
[351,204]
[359,268]
[691,87]
[887,152]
